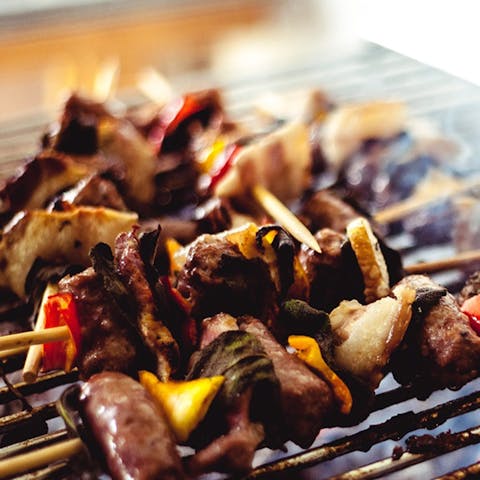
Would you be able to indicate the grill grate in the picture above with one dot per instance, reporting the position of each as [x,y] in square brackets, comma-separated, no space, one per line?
[371,72]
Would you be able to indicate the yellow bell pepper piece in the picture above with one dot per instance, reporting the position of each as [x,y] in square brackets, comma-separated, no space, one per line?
[370,259]
[208,158]
[307,349]
[185,403]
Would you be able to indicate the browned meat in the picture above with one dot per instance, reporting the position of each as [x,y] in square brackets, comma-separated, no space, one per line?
[471,288]
[214,215]
[218,278]
[78,126]
[332,275]
[212,327]
[440,348]
[130,428]
[233,451]
[37,182]
[93,191]
[325,210]
[306,399]
[155,334]
[107,344]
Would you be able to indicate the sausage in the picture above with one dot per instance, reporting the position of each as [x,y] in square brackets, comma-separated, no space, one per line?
[130,429]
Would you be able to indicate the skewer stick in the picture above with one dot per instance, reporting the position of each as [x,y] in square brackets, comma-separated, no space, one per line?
[445,264]
[401,209]
[25,339]
[39,458]
[34,357]
[12,352]
[281,214]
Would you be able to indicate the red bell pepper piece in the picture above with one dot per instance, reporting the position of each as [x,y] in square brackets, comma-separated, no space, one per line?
[471,307]
[171,116]
[180,311]
[60,309]
[230,153]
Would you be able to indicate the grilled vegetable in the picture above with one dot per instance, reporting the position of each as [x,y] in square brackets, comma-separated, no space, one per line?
[60,310]
[307,349]
[185,403]
[471,307]
[370,259]
[366,335]
[55,236]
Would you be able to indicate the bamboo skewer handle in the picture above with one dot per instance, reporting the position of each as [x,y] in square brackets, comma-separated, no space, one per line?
[403,208]
[39,458]
[446,264]
[12,351]
[33,360]
[281,214]
[36,337]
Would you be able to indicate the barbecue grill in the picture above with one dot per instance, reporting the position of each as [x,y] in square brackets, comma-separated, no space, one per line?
[29,417]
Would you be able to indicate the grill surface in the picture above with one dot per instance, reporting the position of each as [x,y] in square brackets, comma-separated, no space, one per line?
[364,451]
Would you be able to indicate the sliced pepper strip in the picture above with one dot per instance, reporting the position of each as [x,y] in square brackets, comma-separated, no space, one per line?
[60,309]
[471,307]
[185,403]
[307,350]
[231,152]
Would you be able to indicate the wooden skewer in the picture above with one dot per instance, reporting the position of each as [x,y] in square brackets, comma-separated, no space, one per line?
[39,458]
[25,339]
[12,352]
[281,214]
[33,361]
[446,264]
[401,209]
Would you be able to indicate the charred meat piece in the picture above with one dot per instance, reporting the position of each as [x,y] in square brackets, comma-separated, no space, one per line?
[155,334]
[324,209]
[94,191]
[78,126]
[130,428]
[305,398]
[440,348]
[37,182]
[107,343]
[218,278]
[234,450]
[246,408]
[471,288]
[334,274]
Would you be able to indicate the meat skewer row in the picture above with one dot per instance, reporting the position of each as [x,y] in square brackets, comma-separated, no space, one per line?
[200,309]
[204,457]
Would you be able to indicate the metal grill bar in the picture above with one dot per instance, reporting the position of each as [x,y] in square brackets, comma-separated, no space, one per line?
[471,472]
[390,465]
[393,429]
[44,383]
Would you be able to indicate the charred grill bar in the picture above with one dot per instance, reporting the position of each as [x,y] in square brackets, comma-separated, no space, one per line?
[374,73]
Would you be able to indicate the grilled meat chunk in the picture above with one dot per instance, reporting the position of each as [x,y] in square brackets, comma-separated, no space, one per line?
[306,399]
[37,182]
[245,407]
[333,275]
[130,428]
[155,334]
[440,348]
[94,191]
[471,288]
[218,278]
[107,343]
[324,209]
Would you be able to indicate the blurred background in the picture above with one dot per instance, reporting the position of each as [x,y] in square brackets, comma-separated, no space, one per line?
[50,46]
